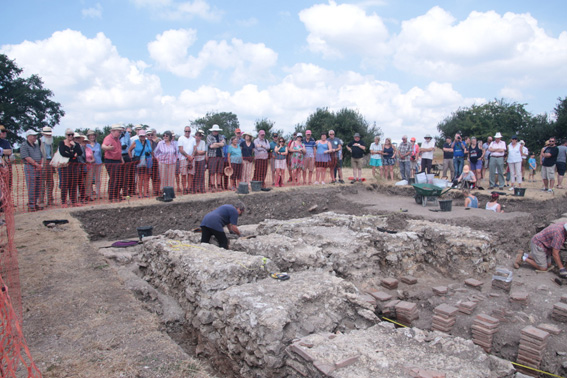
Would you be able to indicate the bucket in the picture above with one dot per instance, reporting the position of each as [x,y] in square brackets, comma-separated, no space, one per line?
[411,180]
[421,178]
[256,185]
[168,192]
[430,177]
[519,192]
[446,205]
[242,188]
[145,231]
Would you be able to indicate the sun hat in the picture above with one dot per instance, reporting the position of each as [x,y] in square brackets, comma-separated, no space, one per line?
[200,132]
[91,132]
[522,142]
[228,171]
[498,135]
[2,128]
[299,135]
[142,133]
[427,136]
[117,126]
[216,128]
[46,130]
[31,132]
[138,127]
[77,135]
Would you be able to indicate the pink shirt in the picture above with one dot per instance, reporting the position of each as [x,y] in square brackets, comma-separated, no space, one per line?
[116,153]
[166,154]
[500,145]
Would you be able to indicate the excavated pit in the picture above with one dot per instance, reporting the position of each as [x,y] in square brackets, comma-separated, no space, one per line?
[223,306]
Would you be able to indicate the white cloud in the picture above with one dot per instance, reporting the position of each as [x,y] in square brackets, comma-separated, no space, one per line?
[180,10]
[246,60]
[485,46]
[93,12]
[97,87]
[338,30]
[249,22]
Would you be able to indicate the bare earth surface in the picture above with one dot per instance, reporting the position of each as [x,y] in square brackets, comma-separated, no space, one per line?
[81,319]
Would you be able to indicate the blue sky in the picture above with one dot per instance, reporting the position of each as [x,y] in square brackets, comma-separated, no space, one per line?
[405,65]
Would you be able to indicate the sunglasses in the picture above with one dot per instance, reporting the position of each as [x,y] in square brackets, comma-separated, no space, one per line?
[70,134]
[187,131]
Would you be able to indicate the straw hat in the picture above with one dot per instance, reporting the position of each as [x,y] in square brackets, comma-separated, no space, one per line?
[228,171]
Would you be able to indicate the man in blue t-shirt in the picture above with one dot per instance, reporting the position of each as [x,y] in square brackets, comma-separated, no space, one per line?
[213,223]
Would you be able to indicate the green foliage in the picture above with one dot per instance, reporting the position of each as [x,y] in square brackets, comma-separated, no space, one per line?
[24,103]
[345,123]
[268,126]
[227,121]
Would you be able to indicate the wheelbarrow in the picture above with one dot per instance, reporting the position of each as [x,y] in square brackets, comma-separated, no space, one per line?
[428,192]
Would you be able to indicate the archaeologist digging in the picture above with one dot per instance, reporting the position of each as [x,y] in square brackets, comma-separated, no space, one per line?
[544,246]
[213,223]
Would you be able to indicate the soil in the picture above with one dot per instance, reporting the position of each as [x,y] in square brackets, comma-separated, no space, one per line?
[81,321]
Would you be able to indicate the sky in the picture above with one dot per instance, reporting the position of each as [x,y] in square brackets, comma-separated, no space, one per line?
[404,65]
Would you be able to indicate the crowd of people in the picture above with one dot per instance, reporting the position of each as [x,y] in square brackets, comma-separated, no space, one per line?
[136,158]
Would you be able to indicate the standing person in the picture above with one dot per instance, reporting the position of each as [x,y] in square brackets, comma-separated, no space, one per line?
[475,158]
[486,155]
[247,158]
[261,147]
[515,153]
[273,144]
[280,153]
[127,169]
[135,137]
[427,151]
[497,150]
[112,161]
[47,171]
[30,153]
[81,140]
[525,154]
[414,158]
[388,158]
[215,144]
[141,150]
[549,159]
[336,162]
[186,143]
[94,166]
[234,157]
[166,153]
[198,170]
[448,159]
[214,222]
[7,153]
[297,151]
[154,172]
[322,158]
[376,156]
[356,148]
[459,152]
[309,160]
[404,152]
[288,157]
[532,167]
[70,173]
[545,247]
[561,163]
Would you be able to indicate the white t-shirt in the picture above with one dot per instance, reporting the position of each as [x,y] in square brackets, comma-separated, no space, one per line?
[188,144]
[374,147]
[202,146]
[515,153]
[429,154]
[525,152]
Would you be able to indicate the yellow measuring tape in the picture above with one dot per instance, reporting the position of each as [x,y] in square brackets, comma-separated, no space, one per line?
[513,363]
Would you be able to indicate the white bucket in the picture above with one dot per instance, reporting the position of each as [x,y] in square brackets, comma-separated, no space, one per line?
[430,178]
[421,178]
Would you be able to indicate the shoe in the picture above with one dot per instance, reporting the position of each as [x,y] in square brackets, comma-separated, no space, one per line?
[315,183]
[323,183]
[490,187]
[550,190]
[518,260]
[333,182]
[544,189]
[342,181]
[353,181]
[501,188]
[563,273]
[511,189]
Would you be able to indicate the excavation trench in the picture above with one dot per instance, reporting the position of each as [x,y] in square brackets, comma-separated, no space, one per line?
[338,246]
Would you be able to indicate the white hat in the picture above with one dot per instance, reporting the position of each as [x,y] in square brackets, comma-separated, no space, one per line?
[138,127]
[46,130]
[31,132]
[299,135]
[498,135]
[522,142]
[117,126]
[215,128]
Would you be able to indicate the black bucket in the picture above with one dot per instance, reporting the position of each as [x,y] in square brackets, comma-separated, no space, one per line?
[256,185]
[145,231]
[519,192]
[168,192]
[242,188]
[446,205]
[411,180]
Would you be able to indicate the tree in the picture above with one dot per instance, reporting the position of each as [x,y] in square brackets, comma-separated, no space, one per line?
[560,124]
[24,103]
[227,121]
[268,126]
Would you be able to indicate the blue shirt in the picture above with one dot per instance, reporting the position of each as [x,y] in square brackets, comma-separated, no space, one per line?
[139,147]
[309,147]
[235,154]
[459,149]
[125,142]
[220,217]
[96,152]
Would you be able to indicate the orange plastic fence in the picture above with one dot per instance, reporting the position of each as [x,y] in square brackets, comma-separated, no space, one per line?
[15,357]
[80,184]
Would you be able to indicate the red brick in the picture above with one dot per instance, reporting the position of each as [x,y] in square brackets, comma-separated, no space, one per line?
[474,283]
[381,296]
[535,333]
[554,330]
[346,362]
[301,353]
[324,367]
[409,280]
[487,319]
[446,310]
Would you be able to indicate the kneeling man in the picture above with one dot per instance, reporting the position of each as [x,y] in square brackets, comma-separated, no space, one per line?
[544,246]
[213,223]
